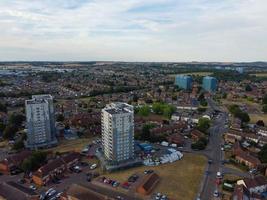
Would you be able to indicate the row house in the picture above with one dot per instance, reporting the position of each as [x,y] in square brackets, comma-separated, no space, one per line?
[55,168]
[13,162]
[256,185]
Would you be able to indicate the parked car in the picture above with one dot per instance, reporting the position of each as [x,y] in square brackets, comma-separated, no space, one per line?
[33,187]
[216,193]
[133,178]
[150,171]
[93,166]
[22,181]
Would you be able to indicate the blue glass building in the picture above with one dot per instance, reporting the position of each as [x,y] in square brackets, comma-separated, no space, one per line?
[184,81]
[209,84]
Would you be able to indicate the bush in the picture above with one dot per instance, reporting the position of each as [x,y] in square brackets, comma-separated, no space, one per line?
[203,124]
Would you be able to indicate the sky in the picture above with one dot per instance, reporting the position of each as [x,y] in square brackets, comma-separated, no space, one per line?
[133,30]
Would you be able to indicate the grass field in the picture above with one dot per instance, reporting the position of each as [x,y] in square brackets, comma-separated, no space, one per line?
[179,180]
[72,145]
[194,73]
[255,117]
[264,74]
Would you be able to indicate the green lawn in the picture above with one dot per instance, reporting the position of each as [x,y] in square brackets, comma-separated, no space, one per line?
[179,180]
[255,117]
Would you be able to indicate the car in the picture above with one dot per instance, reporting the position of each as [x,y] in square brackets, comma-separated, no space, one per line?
[125,185]
[222,149]
[33,187]
[93,166]
[59,194]
[219,175]
[163,197]
[52,193]
[150,171]
[209,161]
[49,190]
[22,181]
[253,171]
[133,178]
[119,198]
[115,184]
[216,193]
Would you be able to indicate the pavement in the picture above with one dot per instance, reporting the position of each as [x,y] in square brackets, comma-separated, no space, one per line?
[214,153]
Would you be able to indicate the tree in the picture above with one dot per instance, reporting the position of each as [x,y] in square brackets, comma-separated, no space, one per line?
[243,116]
[203,124]
[145,135]
[264,108]
[60,118]
[34,161]
[263,154]
[3,108]
[201,97]
[248,88]
[16,119]
[144,111]
[2,127]
[203,102]
[135,98]
[260,123]
[264,100]
[10,131]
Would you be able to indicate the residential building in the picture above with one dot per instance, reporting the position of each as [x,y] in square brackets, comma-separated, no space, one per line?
[14,191]
[184,81]
[255,185]
[117,122]
[55,168]
[13,162]
[148,183]
[245,157]
[80,192]
[40,122]
[241,193]
[209,84]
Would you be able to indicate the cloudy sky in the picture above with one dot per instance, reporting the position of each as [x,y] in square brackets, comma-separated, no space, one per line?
[133,30]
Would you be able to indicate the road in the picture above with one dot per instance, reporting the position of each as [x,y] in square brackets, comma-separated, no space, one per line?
[213,152]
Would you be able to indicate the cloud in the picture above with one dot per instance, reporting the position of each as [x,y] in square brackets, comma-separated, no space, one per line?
[134,30]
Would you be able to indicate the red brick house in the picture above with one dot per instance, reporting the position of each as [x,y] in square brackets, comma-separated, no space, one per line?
[55,168]
[196,135]
[14,161]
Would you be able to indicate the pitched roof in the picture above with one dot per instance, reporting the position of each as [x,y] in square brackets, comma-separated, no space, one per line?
[13,191]
[49,167]
[58,162]
[240,191]
[17,158]
[255,182]
[83,193]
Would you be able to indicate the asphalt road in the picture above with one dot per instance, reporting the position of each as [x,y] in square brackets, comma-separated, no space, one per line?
[214,153]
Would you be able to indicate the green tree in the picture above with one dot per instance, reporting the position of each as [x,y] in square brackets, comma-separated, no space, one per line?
[16,119]
[3,108]
[2,126]
[260,123]
[203,124]
[10,131]
[144,111]
[34,161]
[60,118]
[243,116]
[264,100]
[248,88]
[157,108]
[263,154]
[264,108]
